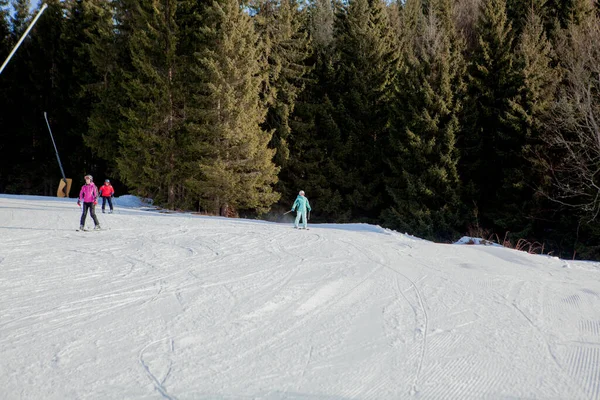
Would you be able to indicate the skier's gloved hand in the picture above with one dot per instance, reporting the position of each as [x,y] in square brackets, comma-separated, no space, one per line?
[95,202]
[78,203]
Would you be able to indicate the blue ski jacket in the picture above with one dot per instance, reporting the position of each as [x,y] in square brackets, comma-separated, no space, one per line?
[301,204]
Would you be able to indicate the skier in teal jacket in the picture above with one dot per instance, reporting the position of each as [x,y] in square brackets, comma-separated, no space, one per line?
[301,204]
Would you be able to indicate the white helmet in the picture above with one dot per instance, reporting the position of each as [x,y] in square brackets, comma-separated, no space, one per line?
[301,193]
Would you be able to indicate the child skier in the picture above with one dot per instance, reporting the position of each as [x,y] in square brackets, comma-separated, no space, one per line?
[301,204]
[89,196]
[107,192]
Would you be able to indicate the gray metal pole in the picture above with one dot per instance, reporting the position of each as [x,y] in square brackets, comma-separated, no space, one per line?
[55,149]
[23,36]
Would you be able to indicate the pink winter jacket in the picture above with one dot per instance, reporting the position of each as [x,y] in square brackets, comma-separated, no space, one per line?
[88,193]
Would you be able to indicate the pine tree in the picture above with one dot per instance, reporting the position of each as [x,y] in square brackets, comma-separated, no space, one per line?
[491,143]
[539,80]
[150,108]
[92,33]
[280,25]
[368,56]
[234,170]
[316,146]
[518,12]
[566,12]
[424,182]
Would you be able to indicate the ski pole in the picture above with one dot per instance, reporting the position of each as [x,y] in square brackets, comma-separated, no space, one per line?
[287,212]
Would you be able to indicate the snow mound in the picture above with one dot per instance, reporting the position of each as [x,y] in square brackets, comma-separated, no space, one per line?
[132,201]
[478,241]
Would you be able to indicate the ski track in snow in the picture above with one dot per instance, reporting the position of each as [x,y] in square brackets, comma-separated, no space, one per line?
[177,306]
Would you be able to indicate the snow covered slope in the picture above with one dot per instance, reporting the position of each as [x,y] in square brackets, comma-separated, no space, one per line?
[179,306]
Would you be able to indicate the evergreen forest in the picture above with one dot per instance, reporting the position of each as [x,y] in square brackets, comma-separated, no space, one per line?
[439,118]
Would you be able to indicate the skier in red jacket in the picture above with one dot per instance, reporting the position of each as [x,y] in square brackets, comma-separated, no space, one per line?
[107,192]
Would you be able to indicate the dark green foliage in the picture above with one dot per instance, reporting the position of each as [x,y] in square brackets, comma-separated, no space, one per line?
[566,12]
[368,56]
[234,167]
[94,39]
[151,97]
[363,104]
[280,26]
[493,139]
[424,182]
[315,142]
[518,12]
[537,93]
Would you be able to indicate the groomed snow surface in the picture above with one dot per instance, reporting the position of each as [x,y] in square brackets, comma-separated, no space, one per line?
[179,306]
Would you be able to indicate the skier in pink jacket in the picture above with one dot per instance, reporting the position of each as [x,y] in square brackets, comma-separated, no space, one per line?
[89,196]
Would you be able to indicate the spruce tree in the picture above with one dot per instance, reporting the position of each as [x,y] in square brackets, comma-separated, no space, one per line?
[566,12]
[368,56]
[518,12]
[424,182]
[282,30]
[492,141]
[150,108]
[98,35]
[535,58]
[234,168]
[316,146]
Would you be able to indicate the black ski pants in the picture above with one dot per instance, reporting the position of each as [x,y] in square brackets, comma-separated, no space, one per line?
[92,208]
[104,200]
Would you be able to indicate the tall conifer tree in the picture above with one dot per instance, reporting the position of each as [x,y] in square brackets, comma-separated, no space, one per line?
[424,182]
[518,12]
[316,146]
[492,142]
[234,170]
[101,34]
[537,93]
[282,30]
[151,130]
[368,61]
